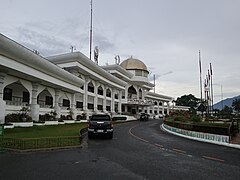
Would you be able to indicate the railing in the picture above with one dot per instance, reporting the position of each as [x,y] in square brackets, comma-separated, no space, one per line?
[16,101]
[39,143]
[139,101]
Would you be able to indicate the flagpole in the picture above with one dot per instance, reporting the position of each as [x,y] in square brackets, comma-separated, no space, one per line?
[211,75]
[90,43]
[200,69]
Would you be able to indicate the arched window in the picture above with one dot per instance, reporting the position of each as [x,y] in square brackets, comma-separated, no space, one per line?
[108,93]
[132,93]
[100,90]
[90,87]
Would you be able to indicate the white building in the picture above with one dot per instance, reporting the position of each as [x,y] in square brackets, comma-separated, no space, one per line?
[73,82]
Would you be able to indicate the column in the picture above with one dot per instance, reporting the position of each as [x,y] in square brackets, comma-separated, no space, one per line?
[120,102]
[96,96]
[113,101]
[73,106]
[126,92]
[137,89]
[158,107]
[163,108]
[34,107]
[2,102]
[57,109]
[168,107]
[104,99]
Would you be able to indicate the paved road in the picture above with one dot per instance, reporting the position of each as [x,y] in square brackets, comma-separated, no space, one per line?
[139,150]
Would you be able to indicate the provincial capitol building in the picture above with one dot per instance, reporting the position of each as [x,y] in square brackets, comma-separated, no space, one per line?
[72,82]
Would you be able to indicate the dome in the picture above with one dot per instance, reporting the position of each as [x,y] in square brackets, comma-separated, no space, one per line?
[131,63]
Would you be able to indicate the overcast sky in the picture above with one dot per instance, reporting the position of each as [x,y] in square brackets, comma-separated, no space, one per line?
[165,34]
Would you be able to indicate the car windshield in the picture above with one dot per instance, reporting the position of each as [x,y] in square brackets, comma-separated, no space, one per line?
[100,118]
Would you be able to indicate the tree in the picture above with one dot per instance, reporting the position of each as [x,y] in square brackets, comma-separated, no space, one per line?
[188,100]
[226,112]
[236,105]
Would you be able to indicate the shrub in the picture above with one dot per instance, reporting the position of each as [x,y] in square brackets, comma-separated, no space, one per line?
[17,117]
[117,118]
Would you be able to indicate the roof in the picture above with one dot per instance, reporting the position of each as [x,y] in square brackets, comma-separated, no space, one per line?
[23,55]
[132,63]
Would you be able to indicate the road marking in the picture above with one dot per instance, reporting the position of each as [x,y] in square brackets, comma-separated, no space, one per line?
[158,145]
[179,151]
[130,132]
[213,158]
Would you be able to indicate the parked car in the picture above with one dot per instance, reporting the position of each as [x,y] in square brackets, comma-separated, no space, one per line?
[100,124]
[144,117]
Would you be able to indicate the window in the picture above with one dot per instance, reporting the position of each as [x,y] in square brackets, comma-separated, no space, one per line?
[108,108]
[108,93]
[100,107]
[138,73]
[26,97]
[90,87]
[79,104]
[7,94]
[100,91]
[90,106]
[66,103]
[48,100]
[145,74]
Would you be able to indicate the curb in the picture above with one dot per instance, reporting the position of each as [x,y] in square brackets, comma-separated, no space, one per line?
[201,140]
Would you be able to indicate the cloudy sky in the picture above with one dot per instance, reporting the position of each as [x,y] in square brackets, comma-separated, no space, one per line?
[165,34]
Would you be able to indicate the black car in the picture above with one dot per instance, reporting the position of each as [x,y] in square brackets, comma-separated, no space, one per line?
[100,124]
[144,117]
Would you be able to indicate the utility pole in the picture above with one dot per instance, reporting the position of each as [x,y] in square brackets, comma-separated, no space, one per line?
[91,19]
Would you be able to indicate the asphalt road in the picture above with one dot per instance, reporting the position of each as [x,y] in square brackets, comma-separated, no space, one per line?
[139,150]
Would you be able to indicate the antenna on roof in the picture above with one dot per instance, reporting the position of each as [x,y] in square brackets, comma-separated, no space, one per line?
[96,53]
[36,51]
[72,48]
[117,59]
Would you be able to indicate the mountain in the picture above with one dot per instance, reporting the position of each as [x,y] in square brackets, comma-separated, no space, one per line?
[226,102]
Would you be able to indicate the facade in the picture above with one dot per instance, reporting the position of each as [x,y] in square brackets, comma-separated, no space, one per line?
[72,82]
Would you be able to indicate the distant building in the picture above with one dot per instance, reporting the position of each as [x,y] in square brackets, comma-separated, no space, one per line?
[73,82]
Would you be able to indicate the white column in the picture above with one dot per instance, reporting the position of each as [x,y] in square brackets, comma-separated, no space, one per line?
[158,107]
[113,101]
[2,102]
[34,107]
[73,105]
[168,107]
[120,102]
[137,89]
[126,92]
[96,96]
[85,97]
[57,109]
[104,99]
[163,108]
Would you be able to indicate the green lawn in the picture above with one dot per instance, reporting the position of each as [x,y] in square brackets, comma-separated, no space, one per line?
[45,131]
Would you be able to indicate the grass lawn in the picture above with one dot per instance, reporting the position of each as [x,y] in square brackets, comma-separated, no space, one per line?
[45,131]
